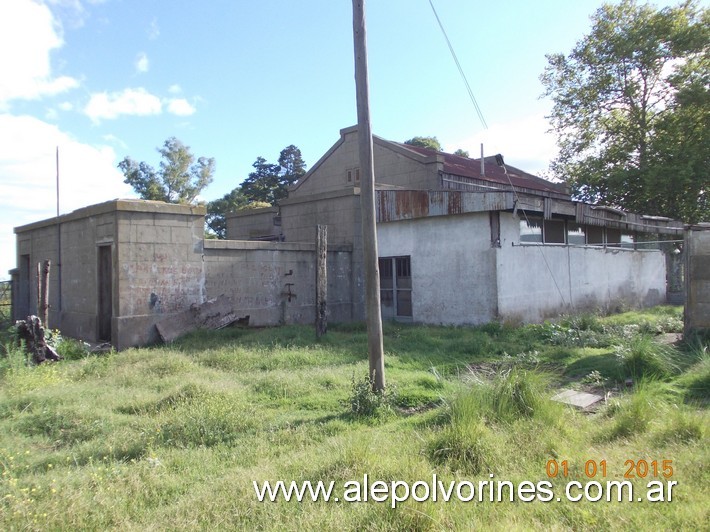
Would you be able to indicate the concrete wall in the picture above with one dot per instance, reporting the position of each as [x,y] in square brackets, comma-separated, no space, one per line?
[697,305]
[155,258]
[459,278]
[578,278]
[256,223]
[80,233]
[158,268]
[394,165]
[453,266]
[340,211]
[160,265]
[274,282]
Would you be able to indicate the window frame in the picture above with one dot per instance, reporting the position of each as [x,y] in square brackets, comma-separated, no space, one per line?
[394,269]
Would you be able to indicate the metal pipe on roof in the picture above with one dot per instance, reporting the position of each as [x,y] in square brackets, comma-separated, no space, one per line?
[483,164]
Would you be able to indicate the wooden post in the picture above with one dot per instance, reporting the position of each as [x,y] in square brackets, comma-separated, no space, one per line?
[321,280]
[39,289]
[367,202]
[44,298]
[43,291]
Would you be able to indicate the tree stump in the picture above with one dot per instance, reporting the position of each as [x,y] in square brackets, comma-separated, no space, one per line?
[30,331]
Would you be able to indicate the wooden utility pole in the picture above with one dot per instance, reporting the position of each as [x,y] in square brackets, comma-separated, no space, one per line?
[367,202]
[321,280]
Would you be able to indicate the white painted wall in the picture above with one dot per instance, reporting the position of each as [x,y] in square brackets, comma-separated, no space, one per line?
[453,266]
[459,279]
[538,282]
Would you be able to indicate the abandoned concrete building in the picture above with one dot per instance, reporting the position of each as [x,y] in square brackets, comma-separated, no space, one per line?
[461,241]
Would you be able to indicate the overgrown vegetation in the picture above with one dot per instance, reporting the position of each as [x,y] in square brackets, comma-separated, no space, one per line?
[172,437]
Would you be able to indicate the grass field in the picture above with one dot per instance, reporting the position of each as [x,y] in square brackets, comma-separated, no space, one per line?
[173,437]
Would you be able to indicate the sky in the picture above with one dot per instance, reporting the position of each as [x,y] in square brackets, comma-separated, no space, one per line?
[98,80]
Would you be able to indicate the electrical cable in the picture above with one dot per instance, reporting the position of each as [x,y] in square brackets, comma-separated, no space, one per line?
[501,163]
[458,65]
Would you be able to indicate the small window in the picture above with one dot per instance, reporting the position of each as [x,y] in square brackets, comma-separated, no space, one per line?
[554,231]
[531,230]
[613,237]
[575,234]
[395,287]
[353,174]
[627,240]
[595,235]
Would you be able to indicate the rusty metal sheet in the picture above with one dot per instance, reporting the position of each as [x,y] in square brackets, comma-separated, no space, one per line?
[395,205]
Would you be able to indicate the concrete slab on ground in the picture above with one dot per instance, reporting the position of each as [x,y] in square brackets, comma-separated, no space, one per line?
[576,398]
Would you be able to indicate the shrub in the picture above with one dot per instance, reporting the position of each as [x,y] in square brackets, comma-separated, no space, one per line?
[644,358]
[464,445]
[206,420]
[364,402]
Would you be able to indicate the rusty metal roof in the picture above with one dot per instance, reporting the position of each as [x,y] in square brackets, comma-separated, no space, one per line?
[465,167]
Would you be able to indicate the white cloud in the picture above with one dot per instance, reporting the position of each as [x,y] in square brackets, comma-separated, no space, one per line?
[153,30]
[113,139]
[66,106]
[175,89]
[524,143]
[180,107]
[88,175]
[142,63]
[28,33]
[138,102]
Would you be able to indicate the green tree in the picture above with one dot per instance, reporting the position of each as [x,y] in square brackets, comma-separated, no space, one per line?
[425,142]
[218,209]
[264,183]
[179,178]
[269,182]
[293,167]
[631,110]
[461,153]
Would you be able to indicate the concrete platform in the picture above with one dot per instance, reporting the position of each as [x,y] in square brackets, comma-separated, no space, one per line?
[578,399]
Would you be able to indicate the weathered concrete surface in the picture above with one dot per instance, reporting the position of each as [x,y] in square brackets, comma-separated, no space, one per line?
[156,265]
[453,266]
[578,399]
[274,282]
[402,167]
[539,282]
[254,224]
[212,314]
[697,253]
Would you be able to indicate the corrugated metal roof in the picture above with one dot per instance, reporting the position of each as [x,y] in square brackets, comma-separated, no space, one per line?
[465,167]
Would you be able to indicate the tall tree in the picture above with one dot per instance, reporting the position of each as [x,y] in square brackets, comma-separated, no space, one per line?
[269,182]
[179,179]
[631,109]
[264,183]
[293,167]
[425,142]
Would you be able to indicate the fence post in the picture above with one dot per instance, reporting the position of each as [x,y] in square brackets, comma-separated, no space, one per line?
[321,280]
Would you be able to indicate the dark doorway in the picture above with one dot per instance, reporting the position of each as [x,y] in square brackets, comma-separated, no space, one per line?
[105,290]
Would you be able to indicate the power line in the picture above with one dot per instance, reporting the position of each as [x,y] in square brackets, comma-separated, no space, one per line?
[501,163]
[458,65]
